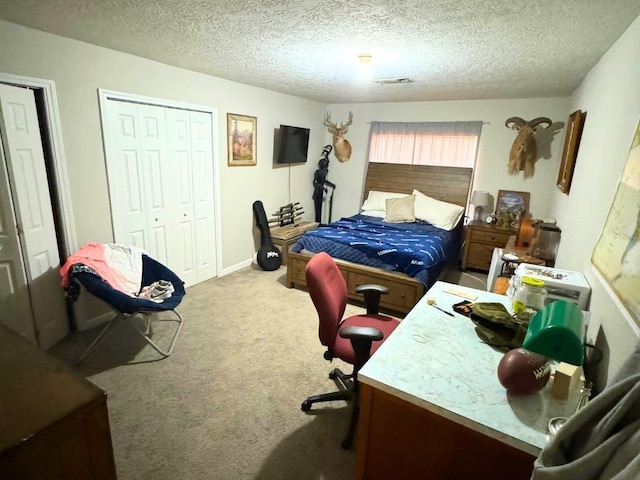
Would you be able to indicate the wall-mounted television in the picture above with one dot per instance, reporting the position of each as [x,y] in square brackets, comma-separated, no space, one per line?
[293,145]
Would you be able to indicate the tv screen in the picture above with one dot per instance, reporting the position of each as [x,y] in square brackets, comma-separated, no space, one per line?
[294,144]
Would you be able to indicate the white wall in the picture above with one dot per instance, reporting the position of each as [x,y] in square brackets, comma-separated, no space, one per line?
[495,142]
[610,94]
[79,69]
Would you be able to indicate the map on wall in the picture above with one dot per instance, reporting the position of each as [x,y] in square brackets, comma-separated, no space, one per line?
[617,253]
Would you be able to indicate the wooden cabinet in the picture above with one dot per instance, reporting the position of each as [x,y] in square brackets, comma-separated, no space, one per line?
[397,439]
[480,241]
[404,291]
[54,423]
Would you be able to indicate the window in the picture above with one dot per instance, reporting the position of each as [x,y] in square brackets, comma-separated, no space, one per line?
[450,144]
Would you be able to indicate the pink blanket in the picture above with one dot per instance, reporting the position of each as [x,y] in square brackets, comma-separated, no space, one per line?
[118,265]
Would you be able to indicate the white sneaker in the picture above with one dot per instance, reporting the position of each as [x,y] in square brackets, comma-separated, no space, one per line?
[159,295]
[166,284]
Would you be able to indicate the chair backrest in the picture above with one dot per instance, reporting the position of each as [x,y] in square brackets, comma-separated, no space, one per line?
[328,292]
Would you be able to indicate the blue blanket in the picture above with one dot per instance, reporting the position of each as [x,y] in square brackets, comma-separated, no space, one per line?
[417,249]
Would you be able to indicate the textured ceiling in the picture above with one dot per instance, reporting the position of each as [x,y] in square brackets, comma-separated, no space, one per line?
[451,49]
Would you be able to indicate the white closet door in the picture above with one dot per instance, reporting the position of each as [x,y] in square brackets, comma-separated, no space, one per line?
[126,177]
[160,166]
[28,177]
[157,174]
[203,194]
[179,150]
[15,303]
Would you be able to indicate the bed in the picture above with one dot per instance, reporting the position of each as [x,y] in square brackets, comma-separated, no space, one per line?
[447,184]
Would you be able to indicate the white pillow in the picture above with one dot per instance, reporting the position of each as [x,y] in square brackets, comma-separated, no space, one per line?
[400,210]
[377,200]
[375,213]
[440,214]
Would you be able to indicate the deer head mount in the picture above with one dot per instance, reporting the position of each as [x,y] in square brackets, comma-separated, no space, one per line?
[341,146]
[524,153]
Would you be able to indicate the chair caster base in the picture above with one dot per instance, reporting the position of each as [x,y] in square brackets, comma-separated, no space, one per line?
[333,375]
[306,406]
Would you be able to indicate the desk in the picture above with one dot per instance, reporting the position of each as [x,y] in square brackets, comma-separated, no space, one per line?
[432,406]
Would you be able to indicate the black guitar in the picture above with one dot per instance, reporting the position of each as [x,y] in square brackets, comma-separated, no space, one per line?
[268,256]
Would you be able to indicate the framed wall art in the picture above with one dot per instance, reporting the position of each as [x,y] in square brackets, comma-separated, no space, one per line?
[511,206]
[241,140]
[570,150]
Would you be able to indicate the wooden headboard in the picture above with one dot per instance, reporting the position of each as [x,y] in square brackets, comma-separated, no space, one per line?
[448,184]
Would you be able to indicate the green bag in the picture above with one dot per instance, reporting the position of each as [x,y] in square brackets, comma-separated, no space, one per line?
[496,326]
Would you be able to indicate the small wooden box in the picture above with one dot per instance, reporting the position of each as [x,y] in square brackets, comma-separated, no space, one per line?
[566,380]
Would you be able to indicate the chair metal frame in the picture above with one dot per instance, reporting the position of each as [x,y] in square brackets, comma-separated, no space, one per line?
[144,334]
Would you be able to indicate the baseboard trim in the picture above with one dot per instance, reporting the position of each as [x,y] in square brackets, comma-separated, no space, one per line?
[236,267]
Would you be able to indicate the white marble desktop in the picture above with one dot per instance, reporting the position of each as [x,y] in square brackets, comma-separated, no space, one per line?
[439,363]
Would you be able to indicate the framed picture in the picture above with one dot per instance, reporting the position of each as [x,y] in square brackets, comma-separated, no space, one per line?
[511,206]
[570,150]
[241,140]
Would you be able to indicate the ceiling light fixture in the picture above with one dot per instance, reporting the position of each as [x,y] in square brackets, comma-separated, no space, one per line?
[364,58]
[389,81]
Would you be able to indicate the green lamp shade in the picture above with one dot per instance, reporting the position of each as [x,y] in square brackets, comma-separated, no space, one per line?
[556,332]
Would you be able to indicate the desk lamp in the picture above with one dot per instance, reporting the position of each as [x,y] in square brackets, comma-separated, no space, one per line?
[480,200]
[556,332]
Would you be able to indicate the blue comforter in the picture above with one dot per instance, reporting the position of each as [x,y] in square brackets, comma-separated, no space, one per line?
[417,249]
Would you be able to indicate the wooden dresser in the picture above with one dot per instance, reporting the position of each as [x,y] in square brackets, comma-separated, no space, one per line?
[53,422]
[479,243]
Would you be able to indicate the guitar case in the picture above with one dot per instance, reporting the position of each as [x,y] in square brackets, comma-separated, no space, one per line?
[268,255]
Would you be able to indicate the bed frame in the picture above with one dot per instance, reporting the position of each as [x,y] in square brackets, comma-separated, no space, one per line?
[449,184]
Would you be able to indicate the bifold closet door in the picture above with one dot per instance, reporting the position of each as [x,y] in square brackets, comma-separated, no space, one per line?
[160,168]
[25,184]
[189,143]
[136,173]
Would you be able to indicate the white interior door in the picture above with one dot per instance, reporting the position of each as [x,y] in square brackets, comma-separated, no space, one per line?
[32,203]
[15,303]
[157,176]
[203,199]
[126,183]
[179,151]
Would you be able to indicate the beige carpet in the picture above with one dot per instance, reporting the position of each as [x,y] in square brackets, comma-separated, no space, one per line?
[226,404]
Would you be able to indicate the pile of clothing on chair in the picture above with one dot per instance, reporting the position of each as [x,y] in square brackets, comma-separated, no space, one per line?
[118,265]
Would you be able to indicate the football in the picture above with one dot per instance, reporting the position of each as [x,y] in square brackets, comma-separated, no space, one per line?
[523,372]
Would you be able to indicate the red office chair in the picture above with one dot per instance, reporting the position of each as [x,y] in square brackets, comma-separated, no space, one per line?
[353,339]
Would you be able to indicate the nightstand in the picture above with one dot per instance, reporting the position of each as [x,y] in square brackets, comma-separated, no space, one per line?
[285,237]
[479,243]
